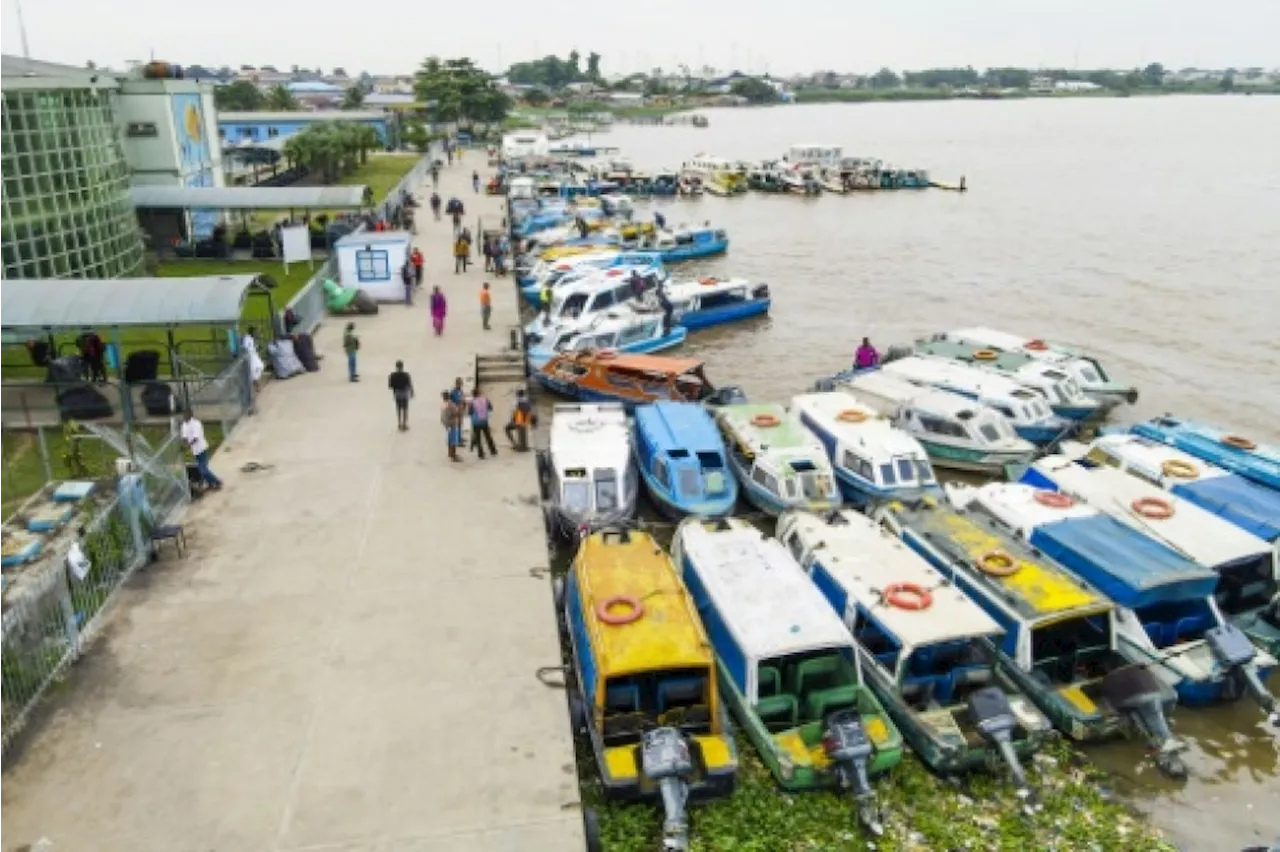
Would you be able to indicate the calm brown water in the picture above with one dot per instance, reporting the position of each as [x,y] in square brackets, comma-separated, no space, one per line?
[1145,230]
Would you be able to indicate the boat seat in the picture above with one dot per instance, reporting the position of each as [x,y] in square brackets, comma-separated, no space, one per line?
[1156,631]
[968,678]
[770,681]
[918,689]
[680,692]
[817,673]
[888,659]
[778,712]
[624,698]
[1189,626]
[823,702]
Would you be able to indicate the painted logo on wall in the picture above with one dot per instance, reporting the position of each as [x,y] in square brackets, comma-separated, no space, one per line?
[194,161]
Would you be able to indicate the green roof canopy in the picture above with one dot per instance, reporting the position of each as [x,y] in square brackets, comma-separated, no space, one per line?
[55,304]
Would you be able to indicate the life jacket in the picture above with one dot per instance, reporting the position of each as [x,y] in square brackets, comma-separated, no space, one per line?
[520,417]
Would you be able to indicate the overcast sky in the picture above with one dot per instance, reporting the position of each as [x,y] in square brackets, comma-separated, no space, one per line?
[389,36]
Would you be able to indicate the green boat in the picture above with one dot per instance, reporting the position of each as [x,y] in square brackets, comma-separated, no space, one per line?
[787,666]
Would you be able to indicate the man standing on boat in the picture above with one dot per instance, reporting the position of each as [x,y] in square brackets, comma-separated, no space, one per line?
[866,357]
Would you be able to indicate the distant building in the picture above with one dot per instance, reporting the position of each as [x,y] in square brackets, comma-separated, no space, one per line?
[1075,86]
[627,98]
[236,127]
[315,93]
[1041,85]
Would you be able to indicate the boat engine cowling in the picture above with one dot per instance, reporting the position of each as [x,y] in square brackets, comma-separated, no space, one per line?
[1135,692]
[847,745]
[1233,650]
[996,722]
[760,291]
[665,759]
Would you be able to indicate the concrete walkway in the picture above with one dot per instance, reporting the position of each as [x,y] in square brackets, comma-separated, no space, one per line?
[345,660]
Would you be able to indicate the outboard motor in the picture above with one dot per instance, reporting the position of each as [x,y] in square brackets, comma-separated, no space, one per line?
[991,710]
[760,291]
[728,395]
[1135,692]
[664,758]
[848,747]
[1234,651]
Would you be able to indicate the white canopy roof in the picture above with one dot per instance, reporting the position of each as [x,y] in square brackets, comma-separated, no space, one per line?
[875,435]
[1150,457]
[590,436]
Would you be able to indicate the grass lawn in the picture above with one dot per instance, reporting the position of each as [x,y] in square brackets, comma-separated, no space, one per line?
[381,174]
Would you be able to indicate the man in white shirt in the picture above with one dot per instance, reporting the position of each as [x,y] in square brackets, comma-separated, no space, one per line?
[193,435]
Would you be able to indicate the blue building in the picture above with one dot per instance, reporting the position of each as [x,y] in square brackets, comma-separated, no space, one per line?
[238,127]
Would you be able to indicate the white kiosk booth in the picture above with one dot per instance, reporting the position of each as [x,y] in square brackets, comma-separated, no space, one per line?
[372,260]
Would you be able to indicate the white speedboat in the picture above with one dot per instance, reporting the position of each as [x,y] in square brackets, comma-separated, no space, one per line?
[711,301]
[779,463]
[588,475]
[617,330]
[579,298]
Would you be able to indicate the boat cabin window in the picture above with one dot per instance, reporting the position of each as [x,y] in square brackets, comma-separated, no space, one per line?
[713,473]
[636,333]
[1170,624]
[576,489]
[1098,456]
[606,489]
[800,688]
[939,426]
[765,479]
[945,674]
[858,465]
[661,473]
[906,470]
[603,300]
[887,476]
[689,480]
[1246,585]
[573,305]
[878,642]
[1091,374]
[723,298]
[679,698]
[1067,651]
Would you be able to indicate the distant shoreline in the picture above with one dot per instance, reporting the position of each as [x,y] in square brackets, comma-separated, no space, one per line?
[819,96]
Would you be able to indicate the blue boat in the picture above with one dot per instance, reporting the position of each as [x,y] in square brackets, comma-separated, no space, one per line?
[1168,621]
[715,301]
[1236,453]
[615,331]
[691,244]
[873,460]
[565,268]
[682,460]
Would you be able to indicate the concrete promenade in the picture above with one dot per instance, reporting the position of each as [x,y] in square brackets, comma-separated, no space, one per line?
[345,660]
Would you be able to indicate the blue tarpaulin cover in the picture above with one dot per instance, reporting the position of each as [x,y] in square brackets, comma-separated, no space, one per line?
[1125,565]
[1246,504]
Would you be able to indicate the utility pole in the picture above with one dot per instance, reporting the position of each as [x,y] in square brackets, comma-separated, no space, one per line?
[22,30]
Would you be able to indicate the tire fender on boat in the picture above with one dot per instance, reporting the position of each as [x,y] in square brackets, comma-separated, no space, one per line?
[1239,442]
[986,355]
[765,421]
[910,596]
[1179,469]
[631,610]
[851,415]
[1037,345]
[997,563]
[1054,499]
[1153,508]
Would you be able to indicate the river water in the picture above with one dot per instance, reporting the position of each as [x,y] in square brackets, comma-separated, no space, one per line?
[1145,230]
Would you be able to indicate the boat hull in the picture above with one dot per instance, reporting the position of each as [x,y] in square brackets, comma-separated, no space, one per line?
[677,510]
[693,251]
[971,459]
[538,358]
[766,501]
[694,320]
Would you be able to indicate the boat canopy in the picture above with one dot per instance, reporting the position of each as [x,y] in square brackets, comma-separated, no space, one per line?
[860,560]
[1245,503]
[1260,463]
[873,435]
[1125,565]
[590,436]
[784,435]
[760,593]
[668,634]
[679,426]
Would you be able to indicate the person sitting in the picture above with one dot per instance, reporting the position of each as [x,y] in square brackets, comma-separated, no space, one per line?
[866,356]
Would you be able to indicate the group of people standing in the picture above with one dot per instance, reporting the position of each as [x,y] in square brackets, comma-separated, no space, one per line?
[456,407]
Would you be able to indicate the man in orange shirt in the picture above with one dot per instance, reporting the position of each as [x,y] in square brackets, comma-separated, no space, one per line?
[416,257]
[486,305]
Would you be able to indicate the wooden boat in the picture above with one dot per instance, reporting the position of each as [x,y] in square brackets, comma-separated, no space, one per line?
[645,686]
[787,666]
[779,463]
[1087,371]
[872,459]
[588,475]
[1064,395]
[1168,619]
[926,650]
[1059,644]
[629,379]
[1248,576]
[1236,453]
[682,460]
[956,432]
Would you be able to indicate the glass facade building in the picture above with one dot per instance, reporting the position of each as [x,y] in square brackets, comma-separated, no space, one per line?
[66,207]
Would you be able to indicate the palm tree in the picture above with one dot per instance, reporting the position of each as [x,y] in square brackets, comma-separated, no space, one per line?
[367,140]
[281,99]
[353,98]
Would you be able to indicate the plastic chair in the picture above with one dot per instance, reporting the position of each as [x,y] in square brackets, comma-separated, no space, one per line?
[778,712]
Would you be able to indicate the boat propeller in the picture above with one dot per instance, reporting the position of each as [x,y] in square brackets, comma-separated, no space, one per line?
[664,758]
[991,709]
[846,744]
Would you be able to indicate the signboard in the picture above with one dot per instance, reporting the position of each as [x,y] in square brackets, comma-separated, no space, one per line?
[295,244]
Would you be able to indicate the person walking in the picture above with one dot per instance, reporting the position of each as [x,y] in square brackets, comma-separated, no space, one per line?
[406,277]
[417,260]
[480,411]
[193,434]
[435,182]
[456,215]
[351,345]
[93,353]
[486,305]
[451,420]
[544,302]
[486,248]
[460,249]
[439,308]
[475,182]
[517,429]
[402,391]
[256,367]
[435,204]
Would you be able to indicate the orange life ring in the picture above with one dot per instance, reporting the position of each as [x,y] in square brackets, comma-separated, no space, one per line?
[1239,442]
[706,282]
[986,355]
[1179,469]
[908,596]
[606,354]
[997,563]
[632,612]
[767,421]
[1054,499]
[1037,345]
[1155,508]
[851,415]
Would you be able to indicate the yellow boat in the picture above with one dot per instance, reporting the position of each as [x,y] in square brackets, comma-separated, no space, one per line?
[646,689]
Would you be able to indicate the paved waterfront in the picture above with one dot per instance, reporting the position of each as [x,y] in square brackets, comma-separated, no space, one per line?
[345,661]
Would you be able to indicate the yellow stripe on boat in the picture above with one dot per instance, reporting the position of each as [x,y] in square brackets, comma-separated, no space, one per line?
[877,730]
[1078,699]
[1045,589]
[620,762]
[799,753]
[717,753]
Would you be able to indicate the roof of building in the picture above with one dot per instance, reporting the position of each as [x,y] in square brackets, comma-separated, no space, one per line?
[17,72]
[254,117]
[313,87]
[248,197]
[75,303]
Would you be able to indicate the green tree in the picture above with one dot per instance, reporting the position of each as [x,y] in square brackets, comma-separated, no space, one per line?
[536,97]
[417,136]
[238,96]
[755,91]
[460,91]
[353,98]
[575,73]
[1153,75]
[885,79]
[281,99]
[1228,81]
[593,67]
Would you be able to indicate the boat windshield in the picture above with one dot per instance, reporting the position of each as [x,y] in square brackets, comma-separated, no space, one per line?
[633,704]
[1071,650]
[577,495]
[606,490]
[926,471]
[688,481]
[945,674]
[994,430]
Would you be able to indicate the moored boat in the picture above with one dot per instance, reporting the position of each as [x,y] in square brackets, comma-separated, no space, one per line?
[568,268]
[712,301]
[1167,620]
[787,664]
[645,687]
[578,299]
[872,459]
[688,243]
[682,460]
[1060,633]
[779,463]
[587,474]
[1245,564]
[618,330]
[629,379]
[1236,453]
[927,651]
[956,432]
